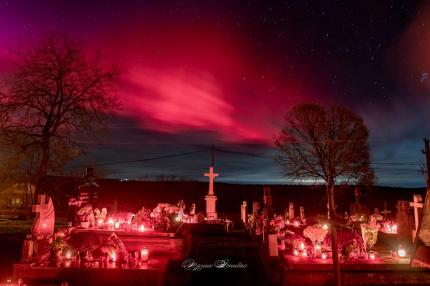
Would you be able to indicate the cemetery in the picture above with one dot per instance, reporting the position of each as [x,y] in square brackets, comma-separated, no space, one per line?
[96,246]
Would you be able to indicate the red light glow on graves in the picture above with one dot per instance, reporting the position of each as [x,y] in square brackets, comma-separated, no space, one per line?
[144,254]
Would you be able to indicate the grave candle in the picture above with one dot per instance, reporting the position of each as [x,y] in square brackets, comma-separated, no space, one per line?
[325,226]
[113,256]
[305,253]
[117,224]
[295,252]
[296,224]
[372,256]
[141,228]
[401,252]
[144,254]
[324,255]
[68,254]
[302,245]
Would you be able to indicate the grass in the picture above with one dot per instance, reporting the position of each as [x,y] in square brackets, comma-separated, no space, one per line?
[11,225]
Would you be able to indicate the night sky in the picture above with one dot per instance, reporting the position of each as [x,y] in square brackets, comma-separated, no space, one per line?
[201,72]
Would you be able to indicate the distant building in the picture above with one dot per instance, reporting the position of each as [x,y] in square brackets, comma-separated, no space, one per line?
[16,195]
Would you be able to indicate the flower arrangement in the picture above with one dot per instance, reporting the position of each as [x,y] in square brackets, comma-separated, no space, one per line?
[316,233]
[369,234]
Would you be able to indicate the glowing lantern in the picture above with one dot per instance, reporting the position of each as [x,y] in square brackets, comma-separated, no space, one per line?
[141,228]
[113,256]
[324,255]
[372,256]
[110,221]
[100,222]
[117,224]
[302,245]
[68,255]
[394,228]
[144,254]
[295,252]
[401,252]
[325,226]
[296,224]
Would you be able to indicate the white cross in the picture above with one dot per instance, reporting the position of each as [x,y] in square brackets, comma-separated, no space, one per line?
[417,203]
[42,206]
[385,211]
[211,176]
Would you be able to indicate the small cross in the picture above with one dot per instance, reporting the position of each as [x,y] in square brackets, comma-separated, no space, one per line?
[385,211]
[417,203]
[211,176]
[41,206]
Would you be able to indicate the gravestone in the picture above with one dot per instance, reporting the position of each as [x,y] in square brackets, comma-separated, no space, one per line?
[243,212]
[404,223]
[255,208]
[416,204]
[43,224]
[302,213]
[291,211]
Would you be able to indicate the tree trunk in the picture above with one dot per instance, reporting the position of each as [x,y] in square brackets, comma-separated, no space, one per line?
[333,231]
[42,171]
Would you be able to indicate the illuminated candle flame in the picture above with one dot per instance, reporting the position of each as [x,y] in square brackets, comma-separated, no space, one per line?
[141,228]
[302,245]
[325,226]
[68,254]
[295,252]
[144,254]
[324,255]
[401,252]
[113,256]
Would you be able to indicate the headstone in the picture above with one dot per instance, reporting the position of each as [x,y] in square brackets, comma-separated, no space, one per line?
[267,198]
[404,225]
[43,224]
[255,208]
[302,213]
[291,211]
[273,244]
[421,255]
[243,212]
[88,191]
[193,209]
[416,204]
[210,197]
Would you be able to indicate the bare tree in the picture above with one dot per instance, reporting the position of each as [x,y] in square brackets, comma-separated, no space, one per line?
[57,96]
[328,145]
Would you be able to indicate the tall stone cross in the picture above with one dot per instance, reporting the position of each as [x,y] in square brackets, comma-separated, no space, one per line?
[416,204]
[211,176]
[210,197]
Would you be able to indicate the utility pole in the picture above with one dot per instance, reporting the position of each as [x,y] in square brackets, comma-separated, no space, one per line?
[427,154]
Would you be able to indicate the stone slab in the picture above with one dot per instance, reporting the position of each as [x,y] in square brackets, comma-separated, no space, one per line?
[382,271]
[153,274]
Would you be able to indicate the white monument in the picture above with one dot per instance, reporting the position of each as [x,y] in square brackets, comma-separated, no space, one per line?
[43,225]
[210,197]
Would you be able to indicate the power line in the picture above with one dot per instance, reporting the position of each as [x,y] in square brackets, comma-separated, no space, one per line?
[141,160]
